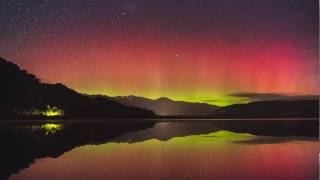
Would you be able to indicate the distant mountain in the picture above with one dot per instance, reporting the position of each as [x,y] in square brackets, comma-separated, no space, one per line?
[271,109]
[23,95]
[167,107]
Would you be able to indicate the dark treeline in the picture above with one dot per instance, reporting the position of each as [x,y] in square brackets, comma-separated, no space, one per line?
[23,95]
[271,109]
[22,92]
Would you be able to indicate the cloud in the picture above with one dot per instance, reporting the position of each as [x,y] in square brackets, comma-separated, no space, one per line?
[273,96]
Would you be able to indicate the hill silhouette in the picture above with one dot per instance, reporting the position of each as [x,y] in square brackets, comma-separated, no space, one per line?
[23,95]
[271,109]
[167,107]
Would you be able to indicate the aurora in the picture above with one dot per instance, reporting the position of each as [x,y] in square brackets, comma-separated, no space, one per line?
[196,51]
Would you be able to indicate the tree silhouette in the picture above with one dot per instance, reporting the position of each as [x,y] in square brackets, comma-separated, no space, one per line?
[23,95]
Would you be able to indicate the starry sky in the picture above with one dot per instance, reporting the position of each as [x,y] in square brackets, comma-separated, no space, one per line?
[190,50]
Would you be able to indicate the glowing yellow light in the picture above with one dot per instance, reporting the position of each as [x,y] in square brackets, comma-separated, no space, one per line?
[49,112]
[53,111]
[46,129]
[51,128]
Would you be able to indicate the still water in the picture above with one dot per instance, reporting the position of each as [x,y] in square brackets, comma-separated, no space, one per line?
[284,150]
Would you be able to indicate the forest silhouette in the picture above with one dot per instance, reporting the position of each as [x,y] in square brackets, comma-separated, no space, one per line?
[24,96]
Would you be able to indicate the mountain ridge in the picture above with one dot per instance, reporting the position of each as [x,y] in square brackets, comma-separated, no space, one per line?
[24,95]
[271,109]
[164,106]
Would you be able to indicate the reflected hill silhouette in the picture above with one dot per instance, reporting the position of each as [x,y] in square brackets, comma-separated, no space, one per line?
[164,131]
[23,142]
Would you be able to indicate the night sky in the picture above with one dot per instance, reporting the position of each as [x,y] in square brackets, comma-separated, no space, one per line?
[191,50]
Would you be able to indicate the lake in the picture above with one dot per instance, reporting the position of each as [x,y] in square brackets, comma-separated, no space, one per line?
[206,149]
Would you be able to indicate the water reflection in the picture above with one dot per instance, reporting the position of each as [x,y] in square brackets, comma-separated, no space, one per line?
[165,130]
[24,142]
[166,150]
[46,129]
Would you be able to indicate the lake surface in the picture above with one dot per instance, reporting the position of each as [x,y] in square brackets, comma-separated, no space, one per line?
[207,149]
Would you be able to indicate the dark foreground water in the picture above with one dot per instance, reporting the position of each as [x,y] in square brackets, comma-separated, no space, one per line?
[233,149]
